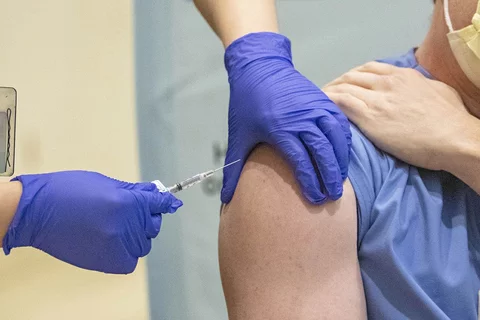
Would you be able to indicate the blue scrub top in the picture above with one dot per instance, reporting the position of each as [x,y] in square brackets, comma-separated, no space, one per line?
[418,234]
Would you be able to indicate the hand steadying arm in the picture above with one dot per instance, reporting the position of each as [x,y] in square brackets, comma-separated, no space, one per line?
[272,103]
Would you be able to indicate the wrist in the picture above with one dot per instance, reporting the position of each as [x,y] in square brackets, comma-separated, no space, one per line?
[232,35]
[463,159]
[235,19]
[10,194]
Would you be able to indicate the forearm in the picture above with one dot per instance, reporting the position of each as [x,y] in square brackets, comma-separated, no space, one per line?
[464,161]
[10,193]
[232,19]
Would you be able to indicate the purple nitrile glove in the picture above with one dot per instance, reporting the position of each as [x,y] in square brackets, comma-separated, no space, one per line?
[271,102]
[88,220]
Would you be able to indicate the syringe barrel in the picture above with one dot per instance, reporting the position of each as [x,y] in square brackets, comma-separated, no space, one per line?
[185,184]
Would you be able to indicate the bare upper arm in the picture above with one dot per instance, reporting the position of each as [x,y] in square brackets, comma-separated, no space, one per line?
[282,258]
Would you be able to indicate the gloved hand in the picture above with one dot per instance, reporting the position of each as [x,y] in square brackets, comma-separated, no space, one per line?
[271,102]
[88,220]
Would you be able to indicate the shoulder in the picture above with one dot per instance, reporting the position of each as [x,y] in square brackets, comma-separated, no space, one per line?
[368,168]
[270,237]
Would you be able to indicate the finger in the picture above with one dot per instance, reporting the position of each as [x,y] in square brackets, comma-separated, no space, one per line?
[333,131]
[361,79]
[378,68]
[353,107]
[146,247]
[141,186]
[162,202]
[127,267]
[145,186]
[365,95]
[335,81]
[299,159]
[154,225]
[342,119]
[322,151]
[231,174]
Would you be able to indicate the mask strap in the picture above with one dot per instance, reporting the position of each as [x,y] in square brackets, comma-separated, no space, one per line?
[447,15]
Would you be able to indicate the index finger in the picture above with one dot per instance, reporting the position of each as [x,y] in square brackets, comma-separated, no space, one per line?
[360,79]
[379,68]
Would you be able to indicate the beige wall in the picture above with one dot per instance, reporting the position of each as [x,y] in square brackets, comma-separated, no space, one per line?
[72,65]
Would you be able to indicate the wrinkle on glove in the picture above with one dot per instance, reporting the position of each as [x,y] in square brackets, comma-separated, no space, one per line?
[271,102]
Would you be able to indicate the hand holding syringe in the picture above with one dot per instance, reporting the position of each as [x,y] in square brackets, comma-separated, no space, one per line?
[185,184]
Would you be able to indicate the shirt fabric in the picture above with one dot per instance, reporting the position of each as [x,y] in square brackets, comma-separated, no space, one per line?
[418,234]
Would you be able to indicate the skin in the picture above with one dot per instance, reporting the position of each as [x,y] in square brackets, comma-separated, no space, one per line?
[436,56]
[10,193]
[430,124]
[445,68]
[230,19]
[283,259]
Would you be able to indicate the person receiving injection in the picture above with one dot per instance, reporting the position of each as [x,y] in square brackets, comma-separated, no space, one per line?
[99,223]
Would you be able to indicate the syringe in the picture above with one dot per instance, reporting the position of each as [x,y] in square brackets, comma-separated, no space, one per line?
[185,184]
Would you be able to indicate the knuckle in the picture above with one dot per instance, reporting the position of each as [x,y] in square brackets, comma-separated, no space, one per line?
[348,77]
[389,81]
[121,201]
[381,103]
[370,64]
[343,89]
[345,97]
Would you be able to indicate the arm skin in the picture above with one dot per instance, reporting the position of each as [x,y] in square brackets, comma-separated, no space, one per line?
[10,193]
[464,161]
[232,19]
[282,258]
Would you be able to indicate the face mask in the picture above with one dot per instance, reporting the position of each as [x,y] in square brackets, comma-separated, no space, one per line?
[465,44]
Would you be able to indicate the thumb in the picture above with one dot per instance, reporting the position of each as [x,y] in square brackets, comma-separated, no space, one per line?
[231,175]
[145,186]
[154,225]
[162,202]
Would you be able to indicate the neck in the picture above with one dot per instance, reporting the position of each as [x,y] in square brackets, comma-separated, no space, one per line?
[437,58]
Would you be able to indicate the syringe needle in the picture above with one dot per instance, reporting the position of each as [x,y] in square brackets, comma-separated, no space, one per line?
[190,181]
[227,165]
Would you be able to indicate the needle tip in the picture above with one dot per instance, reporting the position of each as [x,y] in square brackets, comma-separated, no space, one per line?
[227,165]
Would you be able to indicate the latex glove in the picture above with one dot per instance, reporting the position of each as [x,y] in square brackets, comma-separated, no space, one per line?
[271,102]
[88,220]
[418,120]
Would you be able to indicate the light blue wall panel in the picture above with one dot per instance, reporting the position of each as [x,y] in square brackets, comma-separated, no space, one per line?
[182,101]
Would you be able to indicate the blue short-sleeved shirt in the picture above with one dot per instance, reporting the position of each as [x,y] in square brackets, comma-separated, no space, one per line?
[418,234]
